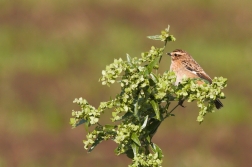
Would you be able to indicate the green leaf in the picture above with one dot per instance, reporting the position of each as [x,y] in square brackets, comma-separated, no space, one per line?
[155,37]
[130,153]
[127,115]
[200,79]
[134,137]
[136,110]
[82,121]
[109,127]
[135,149]
[155,106]
[148,138]
[154,77]
[129,59]
[118,149]
[171,38]
[152,65]
[98,140]
[145,122]
[157,150]
[87,124]
[153,126]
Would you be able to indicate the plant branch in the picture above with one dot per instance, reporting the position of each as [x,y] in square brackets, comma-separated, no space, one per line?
[169,113]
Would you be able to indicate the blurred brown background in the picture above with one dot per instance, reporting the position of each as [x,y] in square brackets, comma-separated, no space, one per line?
[53,51]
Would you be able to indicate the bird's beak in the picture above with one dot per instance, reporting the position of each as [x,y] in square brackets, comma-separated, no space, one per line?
[168,54]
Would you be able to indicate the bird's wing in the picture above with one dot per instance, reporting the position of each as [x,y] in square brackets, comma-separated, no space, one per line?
[192,66]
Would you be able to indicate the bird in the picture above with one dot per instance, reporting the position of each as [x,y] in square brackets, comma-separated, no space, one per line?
[183,65]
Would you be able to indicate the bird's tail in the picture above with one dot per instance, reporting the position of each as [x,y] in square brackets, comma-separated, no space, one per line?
[218,104]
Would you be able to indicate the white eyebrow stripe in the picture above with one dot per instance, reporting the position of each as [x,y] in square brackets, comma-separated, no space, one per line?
[178,53]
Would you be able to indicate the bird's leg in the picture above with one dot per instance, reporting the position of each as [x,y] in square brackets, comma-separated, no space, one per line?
[181,103]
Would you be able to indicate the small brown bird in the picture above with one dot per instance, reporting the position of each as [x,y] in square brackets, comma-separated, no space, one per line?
[183,65]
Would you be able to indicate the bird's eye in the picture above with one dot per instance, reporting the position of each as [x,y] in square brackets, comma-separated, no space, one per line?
[175,54]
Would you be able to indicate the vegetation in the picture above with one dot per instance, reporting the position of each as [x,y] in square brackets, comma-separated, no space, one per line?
[143,104]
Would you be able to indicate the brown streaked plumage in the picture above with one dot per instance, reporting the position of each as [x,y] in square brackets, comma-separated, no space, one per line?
[183,65]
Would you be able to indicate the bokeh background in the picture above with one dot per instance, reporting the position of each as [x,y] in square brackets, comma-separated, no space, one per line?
[52,51]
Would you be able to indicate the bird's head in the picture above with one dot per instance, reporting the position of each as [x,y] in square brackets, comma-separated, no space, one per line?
[178,54]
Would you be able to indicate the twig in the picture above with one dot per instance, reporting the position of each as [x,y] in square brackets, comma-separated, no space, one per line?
[168,114]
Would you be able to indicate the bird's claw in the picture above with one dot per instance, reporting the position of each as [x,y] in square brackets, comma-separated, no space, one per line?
[181,103]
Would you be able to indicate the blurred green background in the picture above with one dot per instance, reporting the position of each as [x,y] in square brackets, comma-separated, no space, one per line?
[53,51]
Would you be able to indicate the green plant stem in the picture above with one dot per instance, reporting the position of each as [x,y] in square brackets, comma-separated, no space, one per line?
[99,124]
[168,114]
